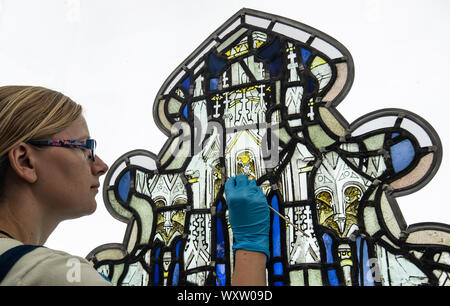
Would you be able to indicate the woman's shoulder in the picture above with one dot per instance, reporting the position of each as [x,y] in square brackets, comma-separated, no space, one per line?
[45,266]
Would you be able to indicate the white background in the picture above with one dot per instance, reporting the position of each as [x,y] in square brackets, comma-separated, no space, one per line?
[112,56]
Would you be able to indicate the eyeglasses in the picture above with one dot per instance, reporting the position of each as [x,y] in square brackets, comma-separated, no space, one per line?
[89,144]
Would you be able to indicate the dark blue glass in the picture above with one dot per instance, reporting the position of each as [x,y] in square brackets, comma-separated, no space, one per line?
[186,83]
[332,278]
[220,239]
[185,111]
[124,186]
[271,50]
[275,66]
[215,64]
[177,249]
[156,269]
[311,86]
[305,55]
[278,268]
[276,243]
[278,284]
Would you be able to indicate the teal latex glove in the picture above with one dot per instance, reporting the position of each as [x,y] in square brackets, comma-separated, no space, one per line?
[248,214]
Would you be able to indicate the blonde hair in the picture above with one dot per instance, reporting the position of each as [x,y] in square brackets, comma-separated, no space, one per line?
[31,113]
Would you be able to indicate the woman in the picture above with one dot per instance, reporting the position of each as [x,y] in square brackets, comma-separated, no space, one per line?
[49,173]
[43,183]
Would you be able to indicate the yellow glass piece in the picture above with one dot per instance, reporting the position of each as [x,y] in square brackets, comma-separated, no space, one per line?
[258,43]
[326,213]
[346,262]
[317,62]
[246,165]
[245,158]
[238,50]
[174,218]
[259,38]
[193,180]
[353,194]
[306,169]
[324,209]
[325,197]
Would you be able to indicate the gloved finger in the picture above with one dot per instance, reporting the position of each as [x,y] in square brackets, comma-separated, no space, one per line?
[230,184]
[252,184]
[253,187]
[241,180]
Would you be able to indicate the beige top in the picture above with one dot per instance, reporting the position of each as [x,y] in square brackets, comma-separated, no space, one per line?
[47,267]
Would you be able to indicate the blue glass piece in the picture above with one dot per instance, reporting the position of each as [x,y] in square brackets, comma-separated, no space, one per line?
[311,86]
[220,271]
[328,241]
[368,279]
[332,278]
[213,83]
[156,272]
[278,284]
[358,253]
[395,135]
[177,249]
[277,268]
[219,207]
[124,186]
[156,275]
[176,275]
[275,66]
[220,239]
[402,154]
[186,83]
[185,111]
[276,243]
[215,64]
[365,273]
[305,55]
[271,50]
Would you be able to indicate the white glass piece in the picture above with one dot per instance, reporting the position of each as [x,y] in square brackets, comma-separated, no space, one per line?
[326,48]
[291,32]
[382,122]
[257,21]
[415,129]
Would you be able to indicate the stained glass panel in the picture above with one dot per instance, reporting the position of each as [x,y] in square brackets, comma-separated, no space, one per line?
[259,97]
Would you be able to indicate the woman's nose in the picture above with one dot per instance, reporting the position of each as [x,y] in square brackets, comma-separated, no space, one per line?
[99,166]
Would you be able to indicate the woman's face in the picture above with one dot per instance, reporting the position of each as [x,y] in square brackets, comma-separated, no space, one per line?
[68,180]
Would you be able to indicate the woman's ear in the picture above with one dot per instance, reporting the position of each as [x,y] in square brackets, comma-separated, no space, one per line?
[22,161]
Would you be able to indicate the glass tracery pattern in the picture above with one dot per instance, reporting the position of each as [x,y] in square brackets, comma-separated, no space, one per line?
[259,97]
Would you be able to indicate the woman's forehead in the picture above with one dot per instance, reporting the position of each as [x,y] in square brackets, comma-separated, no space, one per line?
[77,130]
